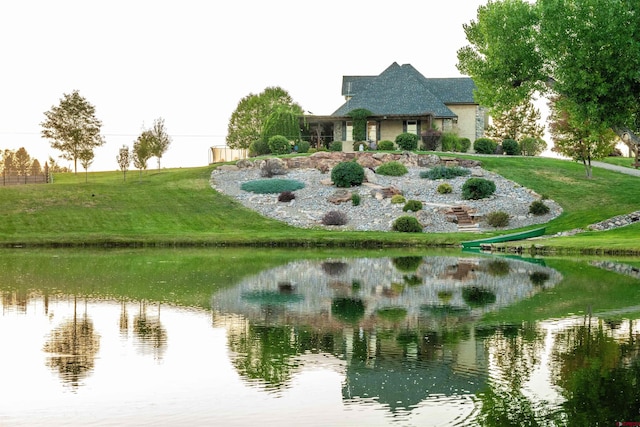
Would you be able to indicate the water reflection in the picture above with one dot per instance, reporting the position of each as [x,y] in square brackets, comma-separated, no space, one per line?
[404,326]
[411,340]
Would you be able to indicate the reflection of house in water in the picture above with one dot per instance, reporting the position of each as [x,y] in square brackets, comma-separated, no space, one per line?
[405,333]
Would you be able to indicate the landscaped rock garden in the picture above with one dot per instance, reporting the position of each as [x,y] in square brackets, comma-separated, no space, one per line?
[370,206]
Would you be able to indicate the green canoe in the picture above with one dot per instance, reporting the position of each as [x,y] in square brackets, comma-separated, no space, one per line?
[505,238]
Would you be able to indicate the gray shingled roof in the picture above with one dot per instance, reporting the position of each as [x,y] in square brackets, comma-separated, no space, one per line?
[402,90]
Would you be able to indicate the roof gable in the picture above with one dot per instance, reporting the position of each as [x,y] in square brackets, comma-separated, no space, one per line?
[402,90]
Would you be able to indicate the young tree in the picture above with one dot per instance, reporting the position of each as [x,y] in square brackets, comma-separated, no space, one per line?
[586,51]
[35,168]
[72,127]
[161,139]
[124,160]
[86,158]
[142,150]
[22,161]
[582,141]
[54,167]
[519,122]
[247,120]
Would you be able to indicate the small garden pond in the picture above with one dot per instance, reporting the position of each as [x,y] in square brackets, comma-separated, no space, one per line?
[240,337]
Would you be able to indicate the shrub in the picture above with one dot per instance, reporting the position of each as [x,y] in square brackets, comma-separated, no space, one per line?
[445,188]
[485,146]
[397,199]
[279,144]
[407,224]
[497,219]
[463,145]
[355,199]
[510,147]
[538,208]
[538,278]
[530,146]
[334,218]
[449,141]
[347,174]
[268,186]
[444,172]
[286,196]
[335,146]
[386,145]
[392,168]
[357,144]
[477,188]
[303,146]
[407,141]
[407,264]
[258,148]
[412,205]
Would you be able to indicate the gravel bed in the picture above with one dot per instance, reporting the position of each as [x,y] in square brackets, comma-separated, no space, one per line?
[311,203]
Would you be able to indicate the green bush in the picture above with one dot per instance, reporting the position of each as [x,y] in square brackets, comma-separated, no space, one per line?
[510,147]
[412,205]
[444,172]
[397,199]
[530,146]
[485,146]
[463,145]
[335,146]
[407,224]
[407,141]
[497,219]
[334,218]
[303,146]
[445,188]
[538,208]
[392,168]
[259,148]
[268,186]
[386,145]
[477,188]
[449,141]
[279,144]
[347,174]
[407,264]
[355,199]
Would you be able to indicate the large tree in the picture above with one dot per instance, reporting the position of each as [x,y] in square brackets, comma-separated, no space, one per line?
[586,51]
[72,127]
[22,161]
[247,121]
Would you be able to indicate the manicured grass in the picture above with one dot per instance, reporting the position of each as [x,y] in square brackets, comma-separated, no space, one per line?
[178,207]
[626,162]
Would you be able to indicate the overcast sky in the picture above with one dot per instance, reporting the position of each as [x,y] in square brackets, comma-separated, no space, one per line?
[191,61]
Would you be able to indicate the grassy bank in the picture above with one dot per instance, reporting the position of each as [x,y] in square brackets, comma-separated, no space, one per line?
[175,207]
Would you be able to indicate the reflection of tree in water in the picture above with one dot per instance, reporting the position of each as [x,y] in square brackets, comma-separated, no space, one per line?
[599,374]
[124,319]
[150,333]
[73,345]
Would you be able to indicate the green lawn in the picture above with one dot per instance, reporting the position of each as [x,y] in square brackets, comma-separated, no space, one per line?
[178,207]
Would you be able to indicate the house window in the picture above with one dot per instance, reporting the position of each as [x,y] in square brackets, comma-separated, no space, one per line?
[412,126]
[349,131]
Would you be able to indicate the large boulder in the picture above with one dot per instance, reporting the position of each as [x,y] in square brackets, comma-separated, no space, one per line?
[273,166]
[341,195]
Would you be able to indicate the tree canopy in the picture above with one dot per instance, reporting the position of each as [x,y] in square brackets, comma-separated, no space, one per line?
[519,122]
[585,51]
[160,140]
[72,127]
[246,124]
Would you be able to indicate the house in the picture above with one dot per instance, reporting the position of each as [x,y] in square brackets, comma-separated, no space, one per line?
[403,100]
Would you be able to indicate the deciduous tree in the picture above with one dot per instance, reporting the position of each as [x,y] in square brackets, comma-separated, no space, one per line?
[161,139]
[72,127]
[142,150]
[124,160]
[516,123]
[586,51]
[247,120]
[86,158]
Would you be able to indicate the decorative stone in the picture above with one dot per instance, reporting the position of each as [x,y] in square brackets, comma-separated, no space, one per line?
[244,163]
[340,196]
[370,176]
[273,166]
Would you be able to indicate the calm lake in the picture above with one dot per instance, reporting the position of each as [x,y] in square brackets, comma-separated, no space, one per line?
[243,337]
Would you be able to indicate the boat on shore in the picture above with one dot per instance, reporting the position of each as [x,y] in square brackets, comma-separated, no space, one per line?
[522,235]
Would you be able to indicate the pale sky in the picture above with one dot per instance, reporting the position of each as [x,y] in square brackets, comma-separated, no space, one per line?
[191,61]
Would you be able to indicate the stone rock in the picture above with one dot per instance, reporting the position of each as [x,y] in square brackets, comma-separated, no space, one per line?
[424,218]
[368,161]
[370,176]
[273,166]
[231,168]
[428,161]
[244,164]
[301,162]
[341,195]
